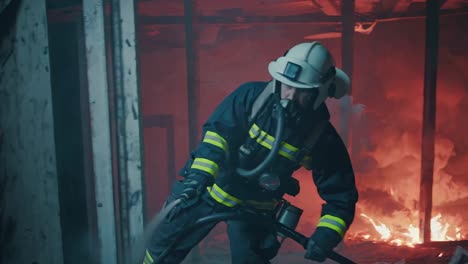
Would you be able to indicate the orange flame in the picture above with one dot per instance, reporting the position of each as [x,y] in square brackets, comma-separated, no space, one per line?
[410,236]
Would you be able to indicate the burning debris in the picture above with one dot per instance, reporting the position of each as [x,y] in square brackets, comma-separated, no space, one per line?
[408,235]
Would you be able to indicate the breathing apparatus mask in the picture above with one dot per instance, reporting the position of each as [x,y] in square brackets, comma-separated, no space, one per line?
[311,66]
[308,67]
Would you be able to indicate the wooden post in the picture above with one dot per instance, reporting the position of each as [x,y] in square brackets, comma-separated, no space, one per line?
[193,79]
[98,96]
[128,123]
[347,15]
[193,75]
[429,117]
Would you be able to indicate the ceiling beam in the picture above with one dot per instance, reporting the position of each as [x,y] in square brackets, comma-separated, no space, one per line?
[227,20]
[300,19]
[69,14]
[328,7]
[402,6]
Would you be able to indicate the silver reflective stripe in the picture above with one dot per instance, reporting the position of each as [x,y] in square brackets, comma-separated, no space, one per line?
[215,139]
[205,165]
[289,152]
[223,198]
[255,131]
[333,222]
[267,141]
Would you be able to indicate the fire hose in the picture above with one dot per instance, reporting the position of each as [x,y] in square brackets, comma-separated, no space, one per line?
[241,214]
[289,215]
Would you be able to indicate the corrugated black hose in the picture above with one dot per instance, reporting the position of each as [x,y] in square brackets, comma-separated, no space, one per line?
[278,112]
[244,215]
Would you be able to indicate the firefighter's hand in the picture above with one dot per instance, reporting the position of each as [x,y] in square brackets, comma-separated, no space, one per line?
[315,252]
[193,186]
[192,189]
[321,243]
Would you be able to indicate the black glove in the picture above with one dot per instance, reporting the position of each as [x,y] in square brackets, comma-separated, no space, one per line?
[321,243]
[193,186]
[314,252]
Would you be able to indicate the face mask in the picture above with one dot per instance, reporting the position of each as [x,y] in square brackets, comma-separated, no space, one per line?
[290,107]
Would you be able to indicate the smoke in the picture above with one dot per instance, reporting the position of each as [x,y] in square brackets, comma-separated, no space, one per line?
[138,250]
[386,135]
[380,202]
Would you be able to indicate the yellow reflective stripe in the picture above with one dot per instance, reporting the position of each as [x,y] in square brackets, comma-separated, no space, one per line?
[290,147]
[336,219]
[287,150]
[228,200]
[205,165]
[148,259]
[334,223]
[215,139]
[254,131]
[223,197]
[263,138]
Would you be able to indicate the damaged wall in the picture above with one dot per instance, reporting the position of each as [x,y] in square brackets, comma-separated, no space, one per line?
[30,224]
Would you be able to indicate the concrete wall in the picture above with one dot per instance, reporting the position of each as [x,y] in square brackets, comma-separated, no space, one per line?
[29,207]
[4,4]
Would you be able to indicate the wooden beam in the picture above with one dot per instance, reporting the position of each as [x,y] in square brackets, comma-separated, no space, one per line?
[402,6]
[128,109]
[193,82]
[228,20]
[347,40]
[429,120]
[100,130]
[69,14]
[347,11]
[316,19]
[193,76]
[328,7]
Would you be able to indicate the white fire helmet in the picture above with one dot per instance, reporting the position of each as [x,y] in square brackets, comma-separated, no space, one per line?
[311,66]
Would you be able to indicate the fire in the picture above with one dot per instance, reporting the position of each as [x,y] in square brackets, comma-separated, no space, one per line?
[384,231]
[409,236]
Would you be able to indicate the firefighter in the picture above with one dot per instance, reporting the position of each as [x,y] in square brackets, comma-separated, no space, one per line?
[229,168]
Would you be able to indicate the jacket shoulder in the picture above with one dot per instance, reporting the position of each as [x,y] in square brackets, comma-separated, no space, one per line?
[251,88]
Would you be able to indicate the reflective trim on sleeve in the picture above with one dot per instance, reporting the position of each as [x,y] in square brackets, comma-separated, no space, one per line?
[215,139]
[148,259]
[223,197]
[334,223]
[205,165]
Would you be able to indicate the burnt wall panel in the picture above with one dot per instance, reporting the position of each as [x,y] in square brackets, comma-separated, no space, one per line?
[30,217]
